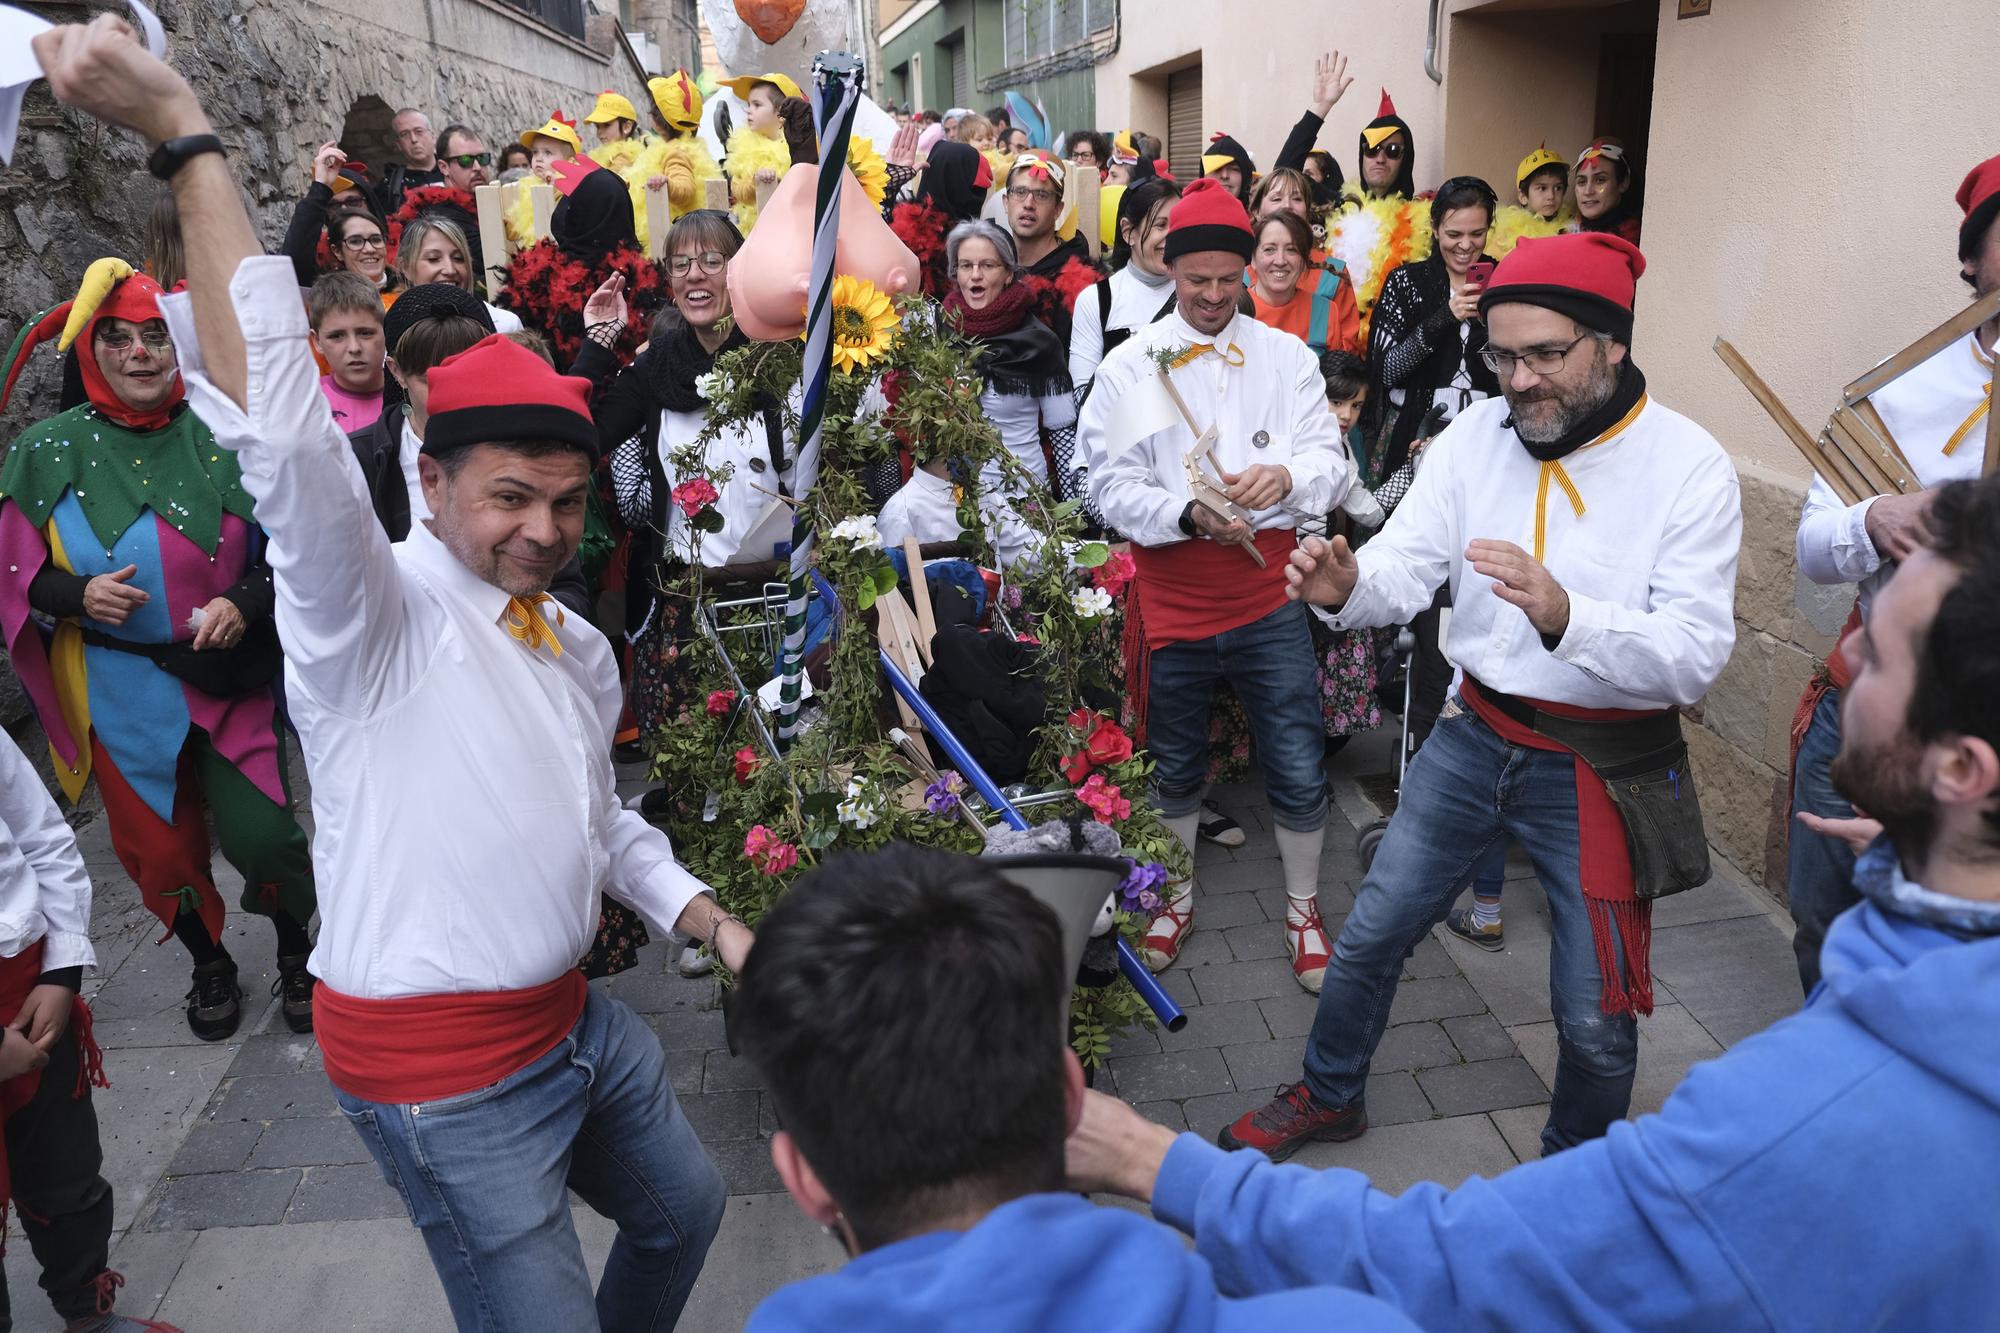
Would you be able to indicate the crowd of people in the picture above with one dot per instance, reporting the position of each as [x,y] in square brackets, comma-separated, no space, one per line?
[408,481]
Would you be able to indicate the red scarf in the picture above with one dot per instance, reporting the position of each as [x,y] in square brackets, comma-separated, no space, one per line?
[1196,590]
[1604,863]
[1006,312]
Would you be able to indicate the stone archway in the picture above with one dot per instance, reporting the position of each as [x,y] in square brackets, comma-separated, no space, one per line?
[366,136]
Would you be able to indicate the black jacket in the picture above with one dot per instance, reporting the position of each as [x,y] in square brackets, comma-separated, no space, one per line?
[1414,346]
[378,448]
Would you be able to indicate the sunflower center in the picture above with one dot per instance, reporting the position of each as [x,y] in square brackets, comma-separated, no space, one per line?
[851,326]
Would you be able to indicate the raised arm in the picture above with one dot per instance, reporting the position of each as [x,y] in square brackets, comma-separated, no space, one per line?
[1330,82]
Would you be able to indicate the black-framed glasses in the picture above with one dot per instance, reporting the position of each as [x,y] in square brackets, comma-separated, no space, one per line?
[1541,360]
[359,243]
[470,160]
[1020,194]
[711,261]
[118,340]
[1391,150]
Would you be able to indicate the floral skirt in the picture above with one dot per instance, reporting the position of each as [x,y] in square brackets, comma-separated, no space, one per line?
[1347,678]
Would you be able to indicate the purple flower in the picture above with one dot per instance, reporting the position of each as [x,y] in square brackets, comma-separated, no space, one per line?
[1140,889]
[943,795]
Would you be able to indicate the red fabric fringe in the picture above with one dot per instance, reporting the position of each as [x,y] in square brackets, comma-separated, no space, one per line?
[90,1056]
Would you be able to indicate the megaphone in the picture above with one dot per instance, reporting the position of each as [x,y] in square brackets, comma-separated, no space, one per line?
[1074,886]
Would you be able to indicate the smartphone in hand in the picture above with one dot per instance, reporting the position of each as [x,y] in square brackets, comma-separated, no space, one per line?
[1480,273]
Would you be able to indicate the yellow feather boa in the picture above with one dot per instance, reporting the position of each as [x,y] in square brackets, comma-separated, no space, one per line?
[1373,236]
[749,152]
[685,163]
[521,219]
[619,156]
[1512,224]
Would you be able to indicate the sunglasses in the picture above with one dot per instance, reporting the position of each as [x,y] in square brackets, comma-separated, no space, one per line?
[1393,151]
[469,160]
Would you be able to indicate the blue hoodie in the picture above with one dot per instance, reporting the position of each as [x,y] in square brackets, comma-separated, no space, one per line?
[1839,1170]
[1049,1263]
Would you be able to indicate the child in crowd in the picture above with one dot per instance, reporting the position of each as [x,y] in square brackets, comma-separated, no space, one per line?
[1541,189]
[1346,377]
[345,313]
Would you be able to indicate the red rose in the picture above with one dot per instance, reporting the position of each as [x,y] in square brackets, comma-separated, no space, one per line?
[746,764]
[720,701]
[1108,744]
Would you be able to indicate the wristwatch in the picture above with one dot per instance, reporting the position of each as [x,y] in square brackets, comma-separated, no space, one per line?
[174,154]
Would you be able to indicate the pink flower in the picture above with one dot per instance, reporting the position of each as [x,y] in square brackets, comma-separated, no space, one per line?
[1104,800]
[695,495]
[720,702]
[1117,570]
[767,852]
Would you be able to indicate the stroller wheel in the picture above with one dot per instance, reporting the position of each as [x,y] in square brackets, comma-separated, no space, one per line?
[1366,842]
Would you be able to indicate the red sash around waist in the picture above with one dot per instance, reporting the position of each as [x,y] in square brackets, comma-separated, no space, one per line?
[418,1048]
[1604,861]
[1196,590]
[18,976]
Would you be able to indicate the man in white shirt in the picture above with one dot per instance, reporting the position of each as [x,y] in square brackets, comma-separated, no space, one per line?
[1589,536]
[457,728]
[1207,608]
[1937,414]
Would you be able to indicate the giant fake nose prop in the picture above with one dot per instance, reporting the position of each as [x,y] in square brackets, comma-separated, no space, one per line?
[1074,887]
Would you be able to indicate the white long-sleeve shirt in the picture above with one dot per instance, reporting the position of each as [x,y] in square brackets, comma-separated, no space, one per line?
[1923,409]
[466,815]
[1136,298]
[1649,565]
[44,889]
[746,450]
[1270,409]
[926,507]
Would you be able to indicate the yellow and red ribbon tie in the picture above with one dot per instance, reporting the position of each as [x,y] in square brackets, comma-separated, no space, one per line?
[524,621]
[1552,469]
[1233,357]
[1978,415]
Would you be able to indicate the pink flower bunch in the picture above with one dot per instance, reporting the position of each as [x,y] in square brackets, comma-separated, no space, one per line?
[1104,800]
[695,495]
[720,702]
[1118,569]
[768,853]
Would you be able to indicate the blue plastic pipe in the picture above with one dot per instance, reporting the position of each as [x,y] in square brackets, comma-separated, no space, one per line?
[1136,972]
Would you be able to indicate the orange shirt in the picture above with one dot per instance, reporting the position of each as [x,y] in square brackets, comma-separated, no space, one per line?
[1341,321]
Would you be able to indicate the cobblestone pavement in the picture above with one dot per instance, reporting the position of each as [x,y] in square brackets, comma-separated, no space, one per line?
[244,1202]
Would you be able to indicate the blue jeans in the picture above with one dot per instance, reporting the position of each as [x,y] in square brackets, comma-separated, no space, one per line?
[1819,871]
[1489,877]
[1466,793]
[1271,665]
[486,1177]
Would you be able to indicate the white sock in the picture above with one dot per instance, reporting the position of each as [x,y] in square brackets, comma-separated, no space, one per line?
[1485,912]
[1300,853]
[1184,828]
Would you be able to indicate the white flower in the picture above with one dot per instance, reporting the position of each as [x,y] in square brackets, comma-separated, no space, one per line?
[859,530]
[860,809]
[1090,603]
[707,386]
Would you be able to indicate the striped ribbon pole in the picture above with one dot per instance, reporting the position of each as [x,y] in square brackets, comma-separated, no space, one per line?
[837,91]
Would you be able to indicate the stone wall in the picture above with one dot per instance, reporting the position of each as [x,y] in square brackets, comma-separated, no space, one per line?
[1785,625]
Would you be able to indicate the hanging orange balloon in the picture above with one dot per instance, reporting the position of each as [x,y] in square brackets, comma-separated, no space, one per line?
[770,19]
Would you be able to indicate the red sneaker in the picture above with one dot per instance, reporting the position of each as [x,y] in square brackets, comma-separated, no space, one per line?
[1293,1119]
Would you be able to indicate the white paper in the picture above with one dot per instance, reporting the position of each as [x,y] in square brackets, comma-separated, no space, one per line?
[768,694]
[774,525]
[196,617]
[19,67]
[1142,410]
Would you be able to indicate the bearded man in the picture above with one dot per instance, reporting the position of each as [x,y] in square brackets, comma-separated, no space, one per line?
[1589,536]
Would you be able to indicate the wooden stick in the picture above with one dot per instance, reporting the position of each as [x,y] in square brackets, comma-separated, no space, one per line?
[1865,409]
[1088,202]
[1992,431]
[920,597]
[1924,348]
[764,192]
[1789,424]
[1863,459]
[659,221]
[1839,472]
[491,201]
[715,194]
[544,206]
[1854,427]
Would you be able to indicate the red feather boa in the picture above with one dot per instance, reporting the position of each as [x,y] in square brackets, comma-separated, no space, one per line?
[547,289]
[1056,297]
[923,228]
[431,196]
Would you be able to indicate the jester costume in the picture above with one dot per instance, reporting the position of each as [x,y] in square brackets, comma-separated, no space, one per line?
[89,492]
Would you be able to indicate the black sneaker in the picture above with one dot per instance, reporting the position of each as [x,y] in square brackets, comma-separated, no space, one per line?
[295,985]
[1491,938]
[215,1001]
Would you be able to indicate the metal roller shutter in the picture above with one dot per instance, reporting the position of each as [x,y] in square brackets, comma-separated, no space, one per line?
[961,80]
[1184,141]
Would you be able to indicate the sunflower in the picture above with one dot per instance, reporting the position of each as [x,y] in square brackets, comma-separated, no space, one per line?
[864,323]
[868,168]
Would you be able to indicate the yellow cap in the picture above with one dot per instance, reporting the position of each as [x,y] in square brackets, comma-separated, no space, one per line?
[743,83]
[677,99]
[611,106]
[558,128]
[1535,161]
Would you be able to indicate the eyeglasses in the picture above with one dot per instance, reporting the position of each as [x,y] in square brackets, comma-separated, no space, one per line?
[711,261]
[358,243]
[153,340]
[977,266]
[1021,194]
[1392,151]
[1541,360]
[469,160]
